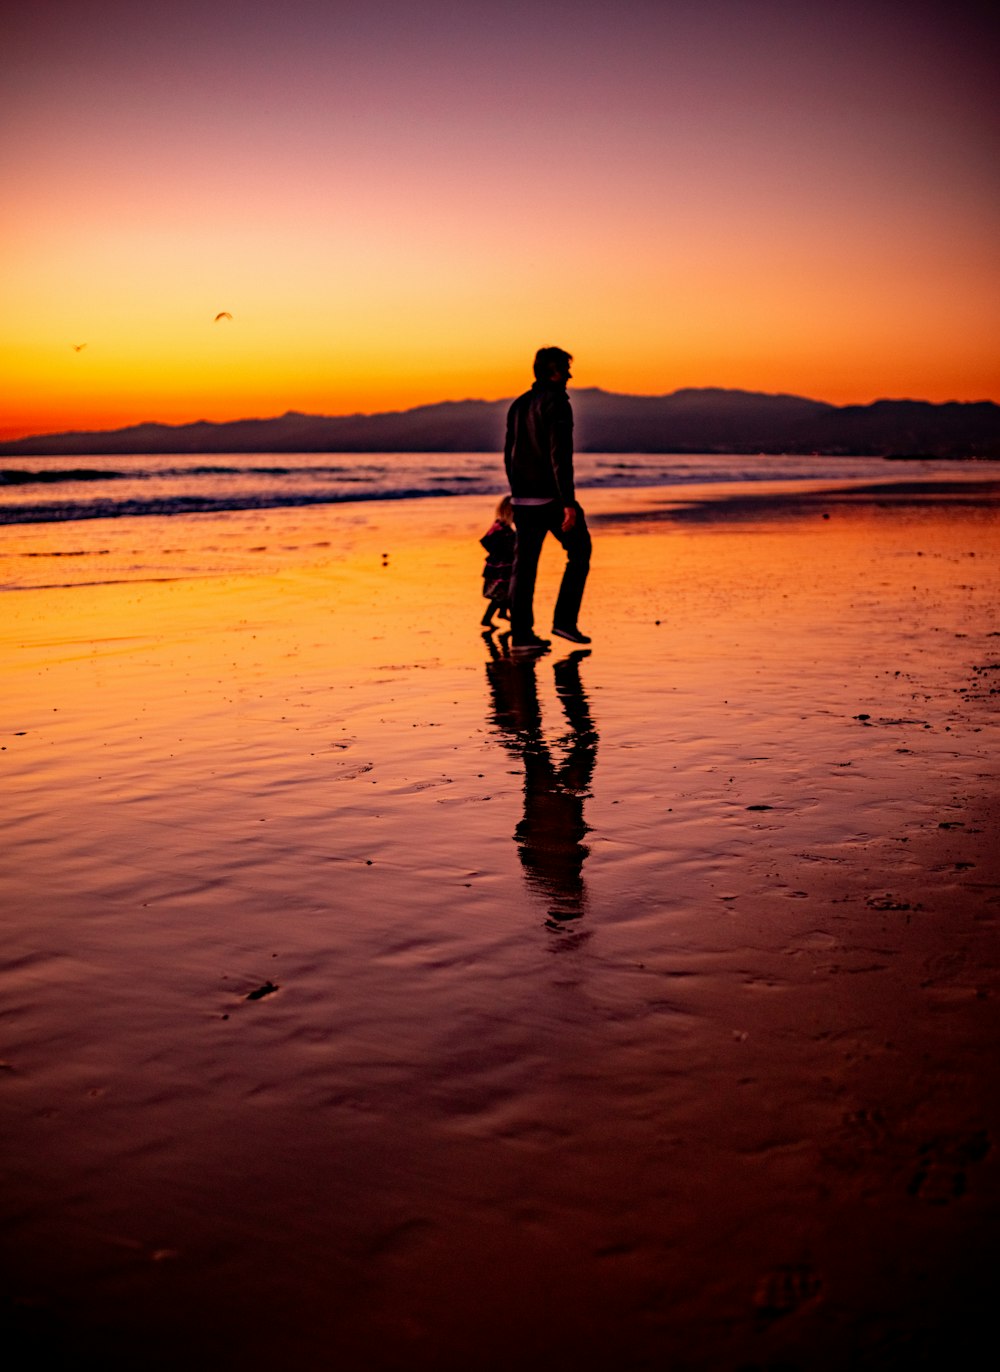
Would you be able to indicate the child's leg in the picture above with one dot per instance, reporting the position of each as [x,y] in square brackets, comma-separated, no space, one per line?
[491,609]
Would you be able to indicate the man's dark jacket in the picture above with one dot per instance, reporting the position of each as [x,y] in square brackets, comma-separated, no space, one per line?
[538,452]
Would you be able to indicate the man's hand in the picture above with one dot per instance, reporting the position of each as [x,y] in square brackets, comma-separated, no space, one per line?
[569,518]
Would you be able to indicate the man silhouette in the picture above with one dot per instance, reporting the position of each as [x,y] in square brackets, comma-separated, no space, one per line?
[538,456]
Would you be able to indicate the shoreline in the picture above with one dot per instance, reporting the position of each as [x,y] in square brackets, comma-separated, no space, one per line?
[272,538]
[114,490]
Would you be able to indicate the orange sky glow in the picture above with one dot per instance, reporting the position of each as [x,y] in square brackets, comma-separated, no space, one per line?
[398,203]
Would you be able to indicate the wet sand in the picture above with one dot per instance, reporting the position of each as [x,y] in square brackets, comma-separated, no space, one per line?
[634,1009]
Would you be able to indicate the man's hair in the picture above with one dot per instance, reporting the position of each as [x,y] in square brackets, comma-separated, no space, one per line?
[547,358]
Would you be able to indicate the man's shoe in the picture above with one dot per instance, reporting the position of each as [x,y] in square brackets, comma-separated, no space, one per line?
[574,635]
[531,644]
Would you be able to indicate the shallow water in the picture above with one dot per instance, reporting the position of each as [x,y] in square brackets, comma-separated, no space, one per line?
[632,1009]
[47,490]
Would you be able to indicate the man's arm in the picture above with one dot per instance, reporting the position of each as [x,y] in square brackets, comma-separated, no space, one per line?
[560,426]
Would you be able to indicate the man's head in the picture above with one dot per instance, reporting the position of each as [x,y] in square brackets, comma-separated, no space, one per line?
[553,365]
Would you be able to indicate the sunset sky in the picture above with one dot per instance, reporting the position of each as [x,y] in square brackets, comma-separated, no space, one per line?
[397,202]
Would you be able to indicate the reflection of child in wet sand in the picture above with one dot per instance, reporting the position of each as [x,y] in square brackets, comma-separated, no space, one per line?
[499,541]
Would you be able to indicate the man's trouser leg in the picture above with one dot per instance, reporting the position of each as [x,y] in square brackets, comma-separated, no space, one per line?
[577,545]
[532,524]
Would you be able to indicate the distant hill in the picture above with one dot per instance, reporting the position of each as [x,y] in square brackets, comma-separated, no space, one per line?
[705,420]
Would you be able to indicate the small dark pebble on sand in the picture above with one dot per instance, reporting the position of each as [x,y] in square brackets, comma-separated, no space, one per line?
[262,991]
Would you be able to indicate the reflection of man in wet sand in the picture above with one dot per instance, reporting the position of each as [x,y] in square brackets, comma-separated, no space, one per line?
[550,836]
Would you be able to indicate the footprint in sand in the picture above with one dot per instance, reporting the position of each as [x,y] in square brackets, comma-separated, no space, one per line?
[352,773]
[942,1167]
[943,967]
[889,902]
[866,1127]
[785,1290]
[862,1138]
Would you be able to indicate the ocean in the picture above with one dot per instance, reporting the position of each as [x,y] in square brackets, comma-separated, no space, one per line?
[101,520]
[50,490]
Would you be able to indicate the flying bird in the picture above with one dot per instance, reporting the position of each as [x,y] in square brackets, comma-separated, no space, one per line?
[79,347]
[223,314]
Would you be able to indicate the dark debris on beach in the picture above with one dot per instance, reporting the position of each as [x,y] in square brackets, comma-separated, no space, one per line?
[261,991]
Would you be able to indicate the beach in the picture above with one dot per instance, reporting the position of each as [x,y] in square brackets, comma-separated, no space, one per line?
[372,1000]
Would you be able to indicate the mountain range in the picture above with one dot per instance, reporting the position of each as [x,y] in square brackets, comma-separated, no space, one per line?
[695,420]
